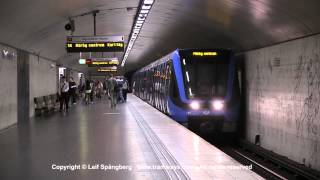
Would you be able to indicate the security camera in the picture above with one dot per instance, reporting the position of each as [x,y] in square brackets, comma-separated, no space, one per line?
[70,26]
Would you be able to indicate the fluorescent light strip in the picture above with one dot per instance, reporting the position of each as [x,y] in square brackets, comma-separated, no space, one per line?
[190,92]
[187,76]
[142,15]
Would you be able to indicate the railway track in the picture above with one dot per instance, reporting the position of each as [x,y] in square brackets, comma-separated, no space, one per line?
[268,164]
[257,167]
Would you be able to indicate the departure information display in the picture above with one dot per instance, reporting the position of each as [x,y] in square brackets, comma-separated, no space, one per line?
[108,69]
[95,44]
[102,62]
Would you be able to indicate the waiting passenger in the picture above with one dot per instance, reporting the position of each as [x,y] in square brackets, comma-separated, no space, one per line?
[111,91]
[99,89]
[119,90]
[88,90]
[125,89]
[64,93]
[93,91]
[72,90]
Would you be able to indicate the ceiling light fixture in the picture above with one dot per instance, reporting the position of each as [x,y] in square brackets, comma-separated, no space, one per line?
[143,12]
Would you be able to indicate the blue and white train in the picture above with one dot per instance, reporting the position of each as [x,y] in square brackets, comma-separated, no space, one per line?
[199,87]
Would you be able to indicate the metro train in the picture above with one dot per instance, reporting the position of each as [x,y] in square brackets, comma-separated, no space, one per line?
[198,87]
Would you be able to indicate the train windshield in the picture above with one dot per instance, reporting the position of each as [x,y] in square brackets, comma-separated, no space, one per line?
[205,76]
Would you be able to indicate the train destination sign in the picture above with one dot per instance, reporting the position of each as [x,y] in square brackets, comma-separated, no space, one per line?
[204,53]
[95,44]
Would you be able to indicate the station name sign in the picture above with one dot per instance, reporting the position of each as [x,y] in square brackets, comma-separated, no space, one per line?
[95,44]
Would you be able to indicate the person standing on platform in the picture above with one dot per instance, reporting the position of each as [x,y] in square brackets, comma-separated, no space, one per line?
[88,90]
[120,90]
[112,83]
[64,94]
[99,89]
[72,90]
[125,89]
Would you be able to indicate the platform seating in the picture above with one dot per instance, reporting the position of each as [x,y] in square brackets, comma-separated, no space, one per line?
[46,104]
[39,106]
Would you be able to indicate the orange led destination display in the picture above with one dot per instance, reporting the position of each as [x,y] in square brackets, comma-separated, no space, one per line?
[95,44]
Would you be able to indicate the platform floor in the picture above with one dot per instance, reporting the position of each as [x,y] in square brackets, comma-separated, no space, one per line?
[141,141]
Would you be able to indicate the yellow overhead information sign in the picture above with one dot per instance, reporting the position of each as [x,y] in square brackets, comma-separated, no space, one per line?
[204,53]
[95,47]
[99,63]
[95,44]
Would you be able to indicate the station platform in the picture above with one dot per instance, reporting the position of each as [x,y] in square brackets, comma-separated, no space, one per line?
[133,141]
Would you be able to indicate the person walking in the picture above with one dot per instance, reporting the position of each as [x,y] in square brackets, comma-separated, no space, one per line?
[112,84]
[72,90]
[64,94]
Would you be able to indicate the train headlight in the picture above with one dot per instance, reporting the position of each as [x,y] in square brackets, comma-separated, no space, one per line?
[195,105]
[218,105]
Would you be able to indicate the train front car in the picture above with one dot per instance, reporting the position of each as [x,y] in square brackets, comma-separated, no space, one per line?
[206,81]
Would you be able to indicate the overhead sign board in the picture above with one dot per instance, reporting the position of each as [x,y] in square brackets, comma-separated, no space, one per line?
[95,43]
[108,69]
[102,62]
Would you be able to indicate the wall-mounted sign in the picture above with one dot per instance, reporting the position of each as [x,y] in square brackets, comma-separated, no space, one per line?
[95,43]
[6,54]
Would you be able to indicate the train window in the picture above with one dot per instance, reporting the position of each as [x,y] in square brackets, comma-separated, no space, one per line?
[175,93]
[205,77]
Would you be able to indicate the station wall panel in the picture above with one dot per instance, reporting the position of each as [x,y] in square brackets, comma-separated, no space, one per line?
[43,79]
[283,99]
[8,87]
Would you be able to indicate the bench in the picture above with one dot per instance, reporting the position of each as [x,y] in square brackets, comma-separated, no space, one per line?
[46,104]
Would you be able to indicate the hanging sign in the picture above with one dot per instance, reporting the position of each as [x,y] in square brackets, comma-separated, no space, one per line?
[108,69]
[95,44]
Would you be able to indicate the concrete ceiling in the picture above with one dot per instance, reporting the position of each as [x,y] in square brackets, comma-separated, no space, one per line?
[38,26]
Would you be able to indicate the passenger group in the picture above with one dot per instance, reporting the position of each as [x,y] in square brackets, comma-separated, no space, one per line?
[114,88]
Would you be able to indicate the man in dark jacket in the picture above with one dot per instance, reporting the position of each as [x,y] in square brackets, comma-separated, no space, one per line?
[72,90]
[64,93]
